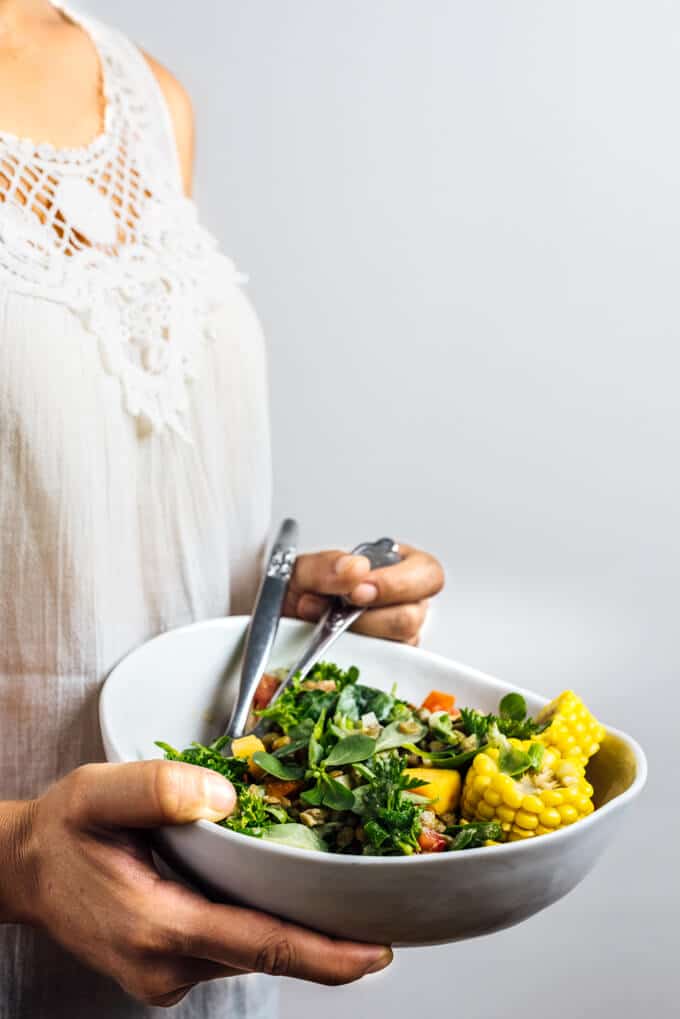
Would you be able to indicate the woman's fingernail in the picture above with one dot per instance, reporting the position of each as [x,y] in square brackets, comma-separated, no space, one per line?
[383,960]
[310,607]
[220,797]
[364,593]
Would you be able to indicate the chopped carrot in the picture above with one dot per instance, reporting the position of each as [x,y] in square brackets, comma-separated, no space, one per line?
[438,701]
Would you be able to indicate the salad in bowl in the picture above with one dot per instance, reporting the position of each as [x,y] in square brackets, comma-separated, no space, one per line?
[370,806]
[343,767]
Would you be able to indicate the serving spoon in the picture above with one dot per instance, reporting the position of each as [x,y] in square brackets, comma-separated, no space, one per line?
[267,612]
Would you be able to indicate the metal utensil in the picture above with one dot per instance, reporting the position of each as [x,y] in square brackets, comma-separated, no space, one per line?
[340,613]
[264,623]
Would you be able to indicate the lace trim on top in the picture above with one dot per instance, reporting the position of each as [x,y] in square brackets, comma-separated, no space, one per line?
[106,230]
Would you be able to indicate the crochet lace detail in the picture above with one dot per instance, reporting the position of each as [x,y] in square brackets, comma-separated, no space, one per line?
[106,230]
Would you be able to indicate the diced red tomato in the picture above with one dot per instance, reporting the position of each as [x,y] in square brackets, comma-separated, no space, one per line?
[265,691]
[438,701]
[431,841]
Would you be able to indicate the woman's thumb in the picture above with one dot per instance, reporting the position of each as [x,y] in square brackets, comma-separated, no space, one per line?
[147,794]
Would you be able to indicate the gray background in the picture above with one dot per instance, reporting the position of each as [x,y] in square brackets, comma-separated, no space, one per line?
[460,221]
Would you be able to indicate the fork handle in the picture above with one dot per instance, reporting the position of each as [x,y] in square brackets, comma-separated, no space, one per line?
[264,623]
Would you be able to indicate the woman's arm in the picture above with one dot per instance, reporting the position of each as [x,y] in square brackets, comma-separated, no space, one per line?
[15,880]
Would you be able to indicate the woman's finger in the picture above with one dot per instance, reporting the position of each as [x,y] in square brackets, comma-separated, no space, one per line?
[398,622]
[416,577]
[170,978]
[245,939]
[331,572]
[146,794]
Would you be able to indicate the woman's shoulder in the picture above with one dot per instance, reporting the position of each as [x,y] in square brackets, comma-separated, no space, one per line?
[181,113]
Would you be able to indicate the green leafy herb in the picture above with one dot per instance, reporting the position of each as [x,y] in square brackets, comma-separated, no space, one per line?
[351,750]
[441,724]
[475,723]
[312,797]
[251,815]
[450,761]
[514,762]
[392,737]
[535,753]
[510,722]
[392,822]
[291,748]
[297,836]
[274,766]
[348,704]
[513,707]
[474,835]
[315,749]
[336,795]
[379,702]
[233,768]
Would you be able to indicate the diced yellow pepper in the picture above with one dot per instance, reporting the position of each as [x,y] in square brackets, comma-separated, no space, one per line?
[441,785]
[246,746]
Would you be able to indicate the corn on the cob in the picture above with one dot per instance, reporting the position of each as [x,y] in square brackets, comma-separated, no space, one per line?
[536,803]
[573,731]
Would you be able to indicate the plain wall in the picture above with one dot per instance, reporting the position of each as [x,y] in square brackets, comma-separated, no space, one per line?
[460,222]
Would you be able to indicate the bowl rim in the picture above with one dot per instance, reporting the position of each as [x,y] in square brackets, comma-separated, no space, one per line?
[424,859]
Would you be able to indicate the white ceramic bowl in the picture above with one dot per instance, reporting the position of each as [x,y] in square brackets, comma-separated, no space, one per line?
[177,688]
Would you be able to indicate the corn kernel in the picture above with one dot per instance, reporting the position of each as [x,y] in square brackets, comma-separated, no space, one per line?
[519,833]
[568,813]
[532,804]
[484,765]
[505,814]
[525,820]
[550,818]
[512,797]
[492,797]
[486,812]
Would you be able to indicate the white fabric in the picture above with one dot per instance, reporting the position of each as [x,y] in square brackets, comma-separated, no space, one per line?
[134,465]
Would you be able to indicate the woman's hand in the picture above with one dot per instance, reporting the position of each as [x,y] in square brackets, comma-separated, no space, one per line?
[396,597]
[82,871]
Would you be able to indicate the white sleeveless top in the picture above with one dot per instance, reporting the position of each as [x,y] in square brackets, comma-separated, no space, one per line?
[134,464]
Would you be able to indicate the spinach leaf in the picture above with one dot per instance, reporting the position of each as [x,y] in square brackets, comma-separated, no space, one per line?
[312,797]
[274,766]
[296,835]
[535,755]
[513,761]
[392,737]
[302,731]
[348,704]
[513,707]
[350,750]
[336,795]
[380,703]
[291,748]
